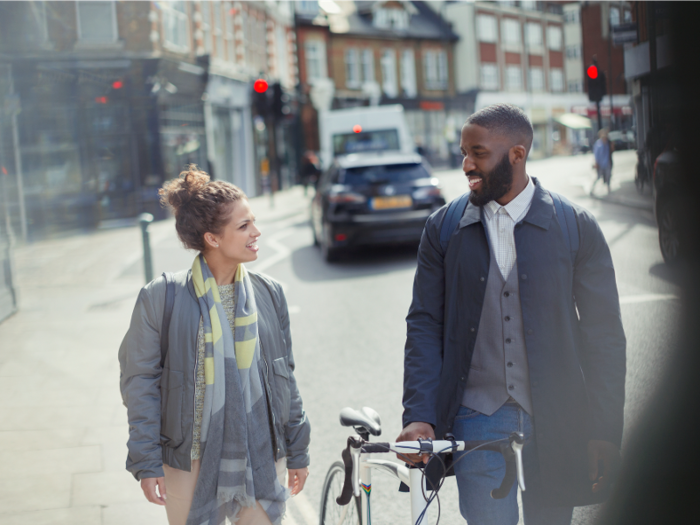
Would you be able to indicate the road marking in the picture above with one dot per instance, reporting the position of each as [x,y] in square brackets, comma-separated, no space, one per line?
[282,251]
[648,297]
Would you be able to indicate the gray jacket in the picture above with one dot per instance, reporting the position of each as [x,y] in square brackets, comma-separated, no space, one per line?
[160,401]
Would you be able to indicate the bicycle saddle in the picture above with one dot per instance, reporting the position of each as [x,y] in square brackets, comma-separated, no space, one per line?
[366,419]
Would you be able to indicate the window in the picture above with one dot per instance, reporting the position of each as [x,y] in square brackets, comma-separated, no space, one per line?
[435,69]
[572,17]
[175,25]
[388,63]
[379,140]
[281,54]
[536,79]
[486,28]
[533,37]
[390,19]
[206,26]
[305,7]
[554,38]
[510,34]
[39,13]
[367,65]
[627,16]
[489,77]
[514,78]
[218,29]
[230,40]
[556,80]
[529,6]
[408,73]
[97,21]
[352,69]
[614,16]
[575,86]
[315,51]
[573,51]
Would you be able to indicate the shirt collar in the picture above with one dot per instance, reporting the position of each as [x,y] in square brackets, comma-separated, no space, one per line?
[515,208]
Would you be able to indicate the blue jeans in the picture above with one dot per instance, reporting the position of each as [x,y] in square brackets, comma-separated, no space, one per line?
[479,472]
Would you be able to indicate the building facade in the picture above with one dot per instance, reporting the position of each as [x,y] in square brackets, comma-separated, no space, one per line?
[383,53]
[114,98]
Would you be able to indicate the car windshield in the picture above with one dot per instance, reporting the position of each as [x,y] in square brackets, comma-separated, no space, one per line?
[380,140]
[384,174]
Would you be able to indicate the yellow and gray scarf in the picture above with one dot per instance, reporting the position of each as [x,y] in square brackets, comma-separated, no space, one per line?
[237,465]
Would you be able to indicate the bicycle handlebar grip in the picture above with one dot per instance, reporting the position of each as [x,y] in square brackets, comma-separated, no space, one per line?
[346,494]
[510,476]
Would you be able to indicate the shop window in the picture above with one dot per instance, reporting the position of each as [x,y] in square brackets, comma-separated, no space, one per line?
[408,73]
[489,77]
[97,21]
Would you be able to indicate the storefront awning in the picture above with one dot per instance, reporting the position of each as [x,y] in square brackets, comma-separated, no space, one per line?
[573,121]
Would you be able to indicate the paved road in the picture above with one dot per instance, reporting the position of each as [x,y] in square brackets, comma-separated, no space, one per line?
[348,322]
[63,429]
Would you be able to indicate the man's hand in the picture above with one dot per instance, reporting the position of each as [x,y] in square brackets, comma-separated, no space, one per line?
[297,478]
[148,485]
[609,454]
[413,432]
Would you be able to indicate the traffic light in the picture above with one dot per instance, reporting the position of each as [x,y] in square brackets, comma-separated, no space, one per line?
[597,86]
[280,102]
[260,102]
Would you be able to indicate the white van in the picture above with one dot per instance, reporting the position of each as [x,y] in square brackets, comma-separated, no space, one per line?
[367,128]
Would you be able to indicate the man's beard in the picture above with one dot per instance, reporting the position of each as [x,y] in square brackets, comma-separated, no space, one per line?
[495,184]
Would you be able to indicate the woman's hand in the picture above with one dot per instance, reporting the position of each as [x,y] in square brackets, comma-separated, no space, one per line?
[297,478]
[148,485]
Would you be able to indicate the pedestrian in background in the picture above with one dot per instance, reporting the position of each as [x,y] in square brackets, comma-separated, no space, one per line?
[310,170]
[496,342]
[602,153]
[217,422]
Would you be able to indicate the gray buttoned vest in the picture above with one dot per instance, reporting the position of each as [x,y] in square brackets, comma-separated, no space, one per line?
[499,367]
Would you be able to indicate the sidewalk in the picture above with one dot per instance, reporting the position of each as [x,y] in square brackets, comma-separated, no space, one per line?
[63,427]
[623,190]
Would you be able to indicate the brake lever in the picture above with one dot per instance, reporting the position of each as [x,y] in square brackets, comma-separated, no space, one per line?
[517,440]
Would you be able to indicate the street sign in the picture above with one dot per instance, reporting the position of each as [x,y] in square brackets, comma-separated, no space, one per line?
[624,33]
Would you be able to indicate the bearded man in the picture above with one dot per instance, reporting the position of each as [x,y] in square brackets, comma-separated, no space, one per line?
[507,331]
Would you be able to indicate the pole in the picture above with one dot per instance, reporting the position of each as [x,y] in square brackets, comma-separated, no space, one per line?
[597,108]
[18,166]
[610,75]
[144,220]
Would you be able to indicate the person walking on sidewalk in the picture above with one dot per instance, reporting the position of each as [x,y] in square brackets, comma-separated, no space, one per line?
[509,331]
[216,421]
[602,153]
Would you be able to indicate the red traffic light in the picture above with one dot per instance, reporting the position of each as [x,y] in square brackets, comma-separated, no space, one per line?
[117,84]
[260,85]
[357,128]
[592,71]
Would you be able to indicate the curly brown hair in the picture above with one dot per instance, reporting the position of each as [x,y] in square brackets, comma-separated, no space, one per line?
[200,205]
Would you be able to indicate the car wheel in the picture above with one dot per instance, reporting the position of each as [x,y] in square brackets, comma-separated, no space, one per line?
[669,236]
[330,254]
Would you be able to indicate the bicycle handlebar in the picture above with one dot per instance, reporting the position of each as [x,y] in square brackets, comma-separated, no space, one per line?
[511,452]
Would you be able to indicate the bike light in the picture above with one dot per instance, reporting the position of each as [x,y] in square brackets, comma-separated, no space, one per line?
[357,128]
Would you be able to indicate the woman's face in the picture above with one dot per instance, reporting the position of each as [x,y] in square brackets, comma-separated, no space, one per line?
[237,241]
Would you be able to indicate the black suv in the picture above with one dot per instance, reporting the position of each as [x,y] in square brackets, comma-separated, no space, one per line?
[373,198]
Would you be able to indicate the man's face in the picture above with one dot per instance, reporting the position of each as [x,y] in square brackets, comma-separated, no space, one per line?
[486,164]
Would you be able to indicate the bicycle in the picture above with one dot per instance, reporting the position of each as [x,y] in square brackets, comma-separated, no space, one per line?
[351,504]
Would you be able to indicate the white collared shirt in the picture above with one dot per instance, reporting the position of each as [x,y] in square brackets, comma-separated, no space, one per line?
[500,224]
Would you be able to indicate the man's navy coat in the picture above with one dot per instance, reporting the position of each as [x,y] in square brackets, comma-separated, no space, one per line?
[572,327]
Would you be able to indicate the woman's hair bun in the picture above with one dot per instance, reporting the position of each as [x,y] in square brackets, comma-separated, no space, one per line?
[179,192]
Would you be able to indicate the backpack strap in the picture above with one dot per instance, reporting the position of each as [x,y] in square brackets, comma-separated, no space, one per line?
[567,222]
[167,315]
[454,213]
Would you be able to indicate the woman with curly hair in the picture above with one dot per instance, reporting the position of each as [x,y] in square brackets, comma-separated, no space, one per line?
[215,421]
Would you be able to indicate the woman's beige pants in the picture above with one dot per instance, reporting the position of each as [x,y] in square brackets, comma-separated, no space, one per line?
[179,490]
